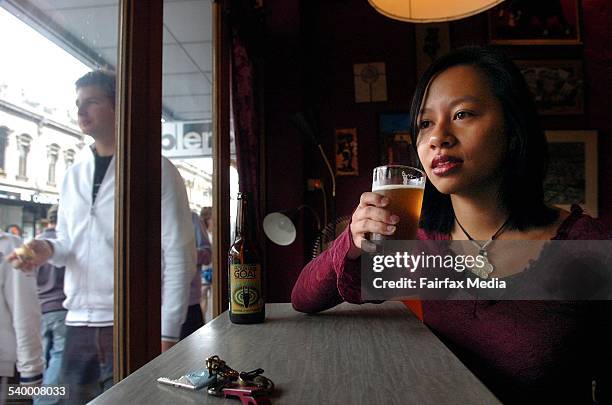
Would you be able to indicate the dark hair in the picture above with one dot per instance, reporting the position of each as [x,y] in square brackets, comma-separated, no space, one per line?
[526,157]
[8,228]
[52,214]
[206,213]
[104,79]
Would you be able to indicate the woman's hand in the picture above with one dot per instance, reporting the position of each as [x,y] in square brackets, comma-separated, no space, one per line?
[370,217]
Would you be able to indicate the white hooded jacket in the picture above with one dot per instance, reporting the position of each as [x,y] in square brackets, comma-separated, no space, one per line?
[85,245]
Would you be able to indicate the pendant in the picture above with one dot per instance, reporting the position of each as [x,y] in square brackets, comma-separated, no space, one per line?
[486,269]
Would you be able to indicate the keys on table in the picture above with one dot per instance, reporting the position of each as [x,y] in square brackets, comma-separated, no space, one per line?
[220,380]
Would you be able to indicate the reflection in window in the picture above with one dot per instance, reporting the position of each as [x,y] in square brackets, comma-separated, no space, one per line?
[23,146]
[52,153]
[4,132]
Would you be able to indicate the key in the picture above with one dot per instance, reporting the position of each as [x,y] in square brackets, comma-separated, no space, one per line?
[248,395]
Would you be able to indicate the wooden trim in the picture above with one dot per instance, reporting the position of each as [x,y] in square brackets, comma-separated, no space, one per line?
[221,153]
[138,186]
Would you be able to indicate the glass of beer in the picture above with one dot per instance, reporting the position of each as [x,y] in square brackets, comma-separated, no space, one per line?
[403,186]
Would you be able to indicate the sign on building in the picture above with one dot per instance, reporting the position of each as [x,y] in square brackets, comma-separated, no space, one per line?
[188,139]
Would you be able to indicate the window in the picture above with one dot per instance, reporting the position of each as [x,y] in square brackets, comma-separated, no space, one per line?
[52,153]
[87,31]
[69,157]
[4,132]
[65,40]
[23,146]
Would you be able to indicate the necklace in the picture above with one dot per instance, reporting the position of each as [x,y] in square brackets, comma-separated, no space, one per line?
[488,268]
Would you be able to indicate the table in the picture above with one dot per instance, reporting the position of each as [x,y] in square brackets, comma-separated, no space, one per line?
[352,354]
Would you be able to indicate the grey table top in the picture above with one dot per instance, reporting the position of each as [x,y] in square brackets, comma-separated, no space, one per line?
[351,354]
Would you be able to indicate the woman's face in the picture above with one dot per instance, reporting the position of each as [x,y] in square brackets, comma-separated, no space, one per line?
[461,141]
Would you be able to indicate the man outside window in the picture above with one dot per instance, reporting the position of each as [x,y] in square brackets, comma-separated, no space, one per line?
[50,281]
[84,244]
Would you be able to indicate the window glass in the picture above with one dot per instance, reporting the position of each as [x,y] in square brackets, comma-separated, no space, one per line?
[187,138]
[47,140]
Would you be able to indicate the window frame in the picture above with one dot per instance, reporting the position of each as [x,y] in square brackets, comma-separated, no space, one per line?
[138,172]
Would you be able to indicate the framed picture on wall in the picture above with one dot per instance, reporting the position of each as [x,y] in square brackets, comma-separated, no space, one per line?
[432,41]
[572,170]
[395,143]
[529,22]
[347,162]
[557,85]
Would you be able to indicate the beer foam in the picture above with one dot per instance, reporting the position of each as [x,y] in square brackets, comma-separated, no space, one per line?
[397,187]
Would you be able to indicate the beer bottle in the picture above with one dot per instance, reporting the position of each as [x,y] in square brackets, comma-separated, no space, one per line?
[245,279]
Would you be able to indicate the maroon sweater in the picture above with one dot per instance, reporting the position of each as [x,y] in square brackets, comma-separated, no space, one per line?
[524,351]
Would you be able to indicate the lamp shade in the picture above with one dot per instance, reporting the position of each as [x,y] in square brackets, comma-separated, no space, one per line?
[427,11]
[279,228]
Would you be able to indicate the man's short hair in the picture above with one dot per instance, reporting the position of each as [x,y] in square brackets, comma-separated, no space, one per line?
[52,214]
[104,79]
[206,213]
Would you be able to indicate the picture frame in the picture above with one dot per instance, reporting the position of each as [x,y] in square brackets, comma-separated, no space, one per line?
[432,40]
[572,176]
[528,22]
[557,85]
[370,82]
[395,144]
[347,161]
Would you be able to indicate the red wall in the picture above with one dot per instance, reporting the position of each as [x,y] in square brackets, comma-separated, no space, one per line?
[310,50]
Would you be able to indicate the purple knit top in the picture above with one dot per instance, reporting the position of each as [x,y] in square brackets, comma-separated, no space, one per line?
[523,351]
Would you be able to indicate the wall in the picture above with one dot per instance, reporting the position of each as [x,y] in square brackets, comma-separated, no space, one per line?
[284,149]
[311,47]
[597,55]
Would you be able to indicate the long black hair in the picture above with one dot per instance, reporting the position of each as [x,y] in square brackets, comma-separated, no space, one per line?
[524,166]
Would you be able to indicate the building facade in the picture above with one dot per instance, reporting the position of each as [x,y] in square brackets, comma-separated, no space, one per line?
[36,150]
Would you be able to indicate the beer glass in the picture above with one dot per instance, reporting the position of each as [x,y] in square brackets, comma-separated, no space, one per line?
[403,186]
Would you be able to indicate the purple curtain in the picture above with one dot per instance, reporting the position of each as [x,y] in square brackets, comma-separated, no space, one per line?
[246,130]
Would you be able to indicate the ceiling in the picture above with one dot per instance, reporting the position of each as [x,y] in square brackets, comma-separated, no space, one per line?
[88,29]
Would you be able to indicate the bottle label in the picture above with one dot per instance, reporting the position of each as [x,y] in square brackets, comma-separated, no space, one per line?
[246,294]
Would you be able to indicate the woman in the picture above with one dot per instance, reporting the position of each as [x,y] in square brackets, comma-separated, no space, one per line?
[476,131]
[206,219]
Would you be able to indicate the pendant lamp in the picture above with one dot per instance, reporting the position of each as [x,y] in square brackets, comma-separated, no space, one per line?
[428,11]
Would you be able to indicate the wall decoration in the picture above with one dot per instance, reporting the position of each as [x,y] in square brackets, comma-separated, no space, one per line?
[347,163]
[572,170]
[432,41]
[370,82]
[529,22]
[557,85]
[395,143]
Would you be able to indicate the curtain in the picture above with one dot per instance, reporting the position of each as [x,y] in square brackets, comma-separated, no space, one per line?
[246,129]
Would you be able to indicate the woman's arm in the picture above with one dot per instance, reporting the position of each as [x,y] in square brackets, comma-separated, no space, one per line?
[328,279]
[334,276]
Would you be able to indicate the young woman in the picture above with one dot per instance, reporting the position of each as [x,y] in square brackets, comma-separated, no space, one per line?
[476,131]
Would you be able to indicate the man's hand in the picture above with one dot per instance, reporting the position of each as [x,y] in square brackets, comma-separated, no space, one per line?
[30,256]
[165,345]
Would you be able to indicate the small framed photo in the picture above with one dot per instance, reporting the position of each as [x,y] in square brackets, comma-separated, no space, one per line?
[432,41]
[529,22]
[572,170]
[395,142]
[347,162]
[557,85]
